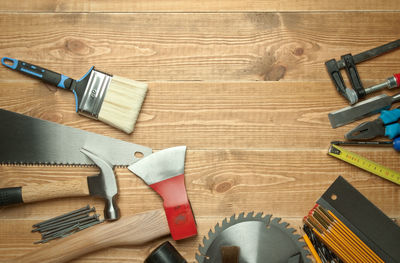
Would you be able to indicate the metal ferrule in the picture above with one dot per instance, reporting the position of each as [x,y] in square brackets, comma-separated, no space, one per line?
[94,94]
[392,83]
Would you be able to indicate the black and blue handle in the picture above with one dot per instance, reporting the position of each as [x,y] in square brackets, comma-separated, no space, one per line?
[37,72]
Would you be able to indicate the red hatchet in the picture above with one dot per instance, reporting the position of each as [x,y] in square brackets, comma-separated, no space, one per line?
[164,172]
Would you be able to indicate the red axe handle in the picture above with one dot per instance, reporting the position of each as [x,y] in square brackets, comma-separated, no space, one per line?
[131,230]
[177,207]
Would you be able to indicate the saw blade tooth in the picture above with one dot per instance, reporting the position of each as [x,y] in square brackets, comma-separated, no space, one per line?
[296,236]
[276,220]
[202,250]
[290,229]
[250,215]
[217,228]
[258,215]
[232,219]
[284,224]
[267,219]
[210,233]
[205,240]
[241,216]
[199,258]
[224,223]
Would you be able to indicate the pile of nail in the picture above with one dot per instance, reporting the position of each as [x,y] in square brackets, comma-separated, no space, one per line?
[66,224]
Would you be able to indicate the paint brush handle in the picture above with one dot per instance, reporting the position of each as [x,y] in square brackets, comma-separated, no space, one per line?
[37,72]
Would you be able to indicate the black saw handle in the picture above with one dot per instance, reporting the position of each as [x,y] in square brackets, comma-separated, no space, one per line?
[11,195]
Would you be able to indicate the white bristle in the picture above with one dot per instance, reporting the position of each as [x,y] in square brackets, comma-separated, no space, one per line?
[122,103]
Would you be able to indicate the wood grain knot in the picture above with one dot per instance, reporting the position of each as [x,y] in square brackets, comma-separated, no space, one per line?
[77,46]
[298,51]
[276,72]
[268,67]
[52,116]
[265,21]
[223,187]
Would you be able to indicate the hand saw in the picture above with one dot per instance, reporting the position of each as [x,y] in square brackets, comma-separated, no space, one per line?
[27,140]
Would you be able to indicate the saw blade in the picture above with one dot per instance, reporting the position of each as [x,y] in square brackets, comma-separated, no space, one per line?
[260,239]
[31,141]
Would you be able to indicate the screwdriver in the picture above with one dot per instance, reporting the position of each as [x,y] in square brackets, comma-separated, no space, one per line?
[390,83]
[395,143]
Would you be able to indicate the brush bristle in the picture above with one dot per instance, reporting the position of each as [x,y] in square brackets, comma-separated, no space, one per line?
[122,103]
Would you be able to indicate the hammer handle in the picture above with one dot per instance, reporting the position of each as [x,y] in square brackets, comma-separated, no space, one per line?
[34,193]
[130,230]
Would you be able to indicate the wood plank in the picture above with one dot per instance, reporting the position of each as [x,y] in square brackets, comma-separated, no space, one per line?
[204,115]
[200,46]
[195,6]
[246,91]
[283,183]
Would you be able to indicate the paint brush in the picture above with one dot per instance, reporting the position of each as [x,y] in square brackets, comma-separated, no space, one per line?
[111,99]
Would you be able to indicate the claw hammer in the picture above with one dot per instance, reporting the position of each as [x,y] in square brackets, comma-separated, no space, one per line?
[103,185]
[162,171]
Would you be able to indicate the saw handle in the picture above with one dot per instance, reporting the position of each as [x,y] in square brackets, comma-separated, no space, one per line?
[37,72]
[11,195]
[132,230]
[34,193]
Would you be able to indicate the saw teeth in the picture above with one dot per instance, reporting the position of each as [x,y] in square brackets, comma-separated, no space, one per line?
[267,219]
[251,216]
[22,164]
[199,258]
[217,228]
[258,215]
[241,216]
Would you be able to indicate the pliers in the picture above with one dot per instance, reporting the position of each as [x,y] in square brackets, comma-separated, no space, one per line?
[386,125]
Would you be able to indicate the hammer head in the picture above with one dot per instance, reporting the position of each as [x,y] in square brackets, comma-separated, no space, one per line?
[104,185]
[164,172]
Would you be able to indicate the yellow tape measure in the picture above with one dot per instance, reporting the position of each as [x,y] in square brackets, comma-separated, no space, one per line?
[364,164]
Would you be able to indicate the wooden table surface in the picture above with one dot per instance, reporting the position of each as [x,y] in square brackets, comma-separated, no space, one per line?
[242,84]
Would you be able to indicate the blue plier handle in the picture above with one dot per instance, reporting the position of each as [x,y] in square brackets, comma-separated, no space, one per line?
[386,125]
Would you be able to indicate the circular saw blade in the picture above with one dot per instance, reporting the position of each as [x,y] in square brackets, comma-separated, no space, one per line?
[259,238]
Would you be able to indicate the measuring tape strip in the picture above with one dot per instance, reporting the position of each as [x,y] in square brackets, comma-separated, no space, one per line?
[364,164]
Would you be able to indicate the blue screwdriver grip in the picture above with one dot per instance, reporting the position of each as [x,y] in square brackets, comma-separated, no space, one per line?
[392,130]
[396,144]
[37,72]
[389,116]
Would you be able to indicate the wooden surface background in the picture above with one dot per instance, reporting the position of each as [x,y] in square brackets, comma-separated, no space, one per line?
[242,84]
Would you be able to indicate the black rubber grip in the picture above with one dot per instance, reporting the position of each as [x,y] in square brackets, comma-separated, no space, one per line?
[9,196]
[37,72]
[165,253]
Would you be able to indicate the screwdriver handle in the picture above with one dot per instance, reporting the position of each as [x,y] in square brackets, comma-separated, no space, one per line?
[389,116]
[397,78]
[396,144]
[390,83]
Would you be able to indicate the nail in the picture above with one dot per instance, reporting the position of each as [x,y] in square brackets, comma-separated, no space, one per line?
[61,216]
[61,228]
[67,217]
[51,226]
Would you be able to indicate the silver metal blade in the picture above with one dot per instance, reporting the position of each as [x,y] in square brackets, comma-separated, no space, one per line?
[260,239]
[361,110]
[161,165]
[27,140]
